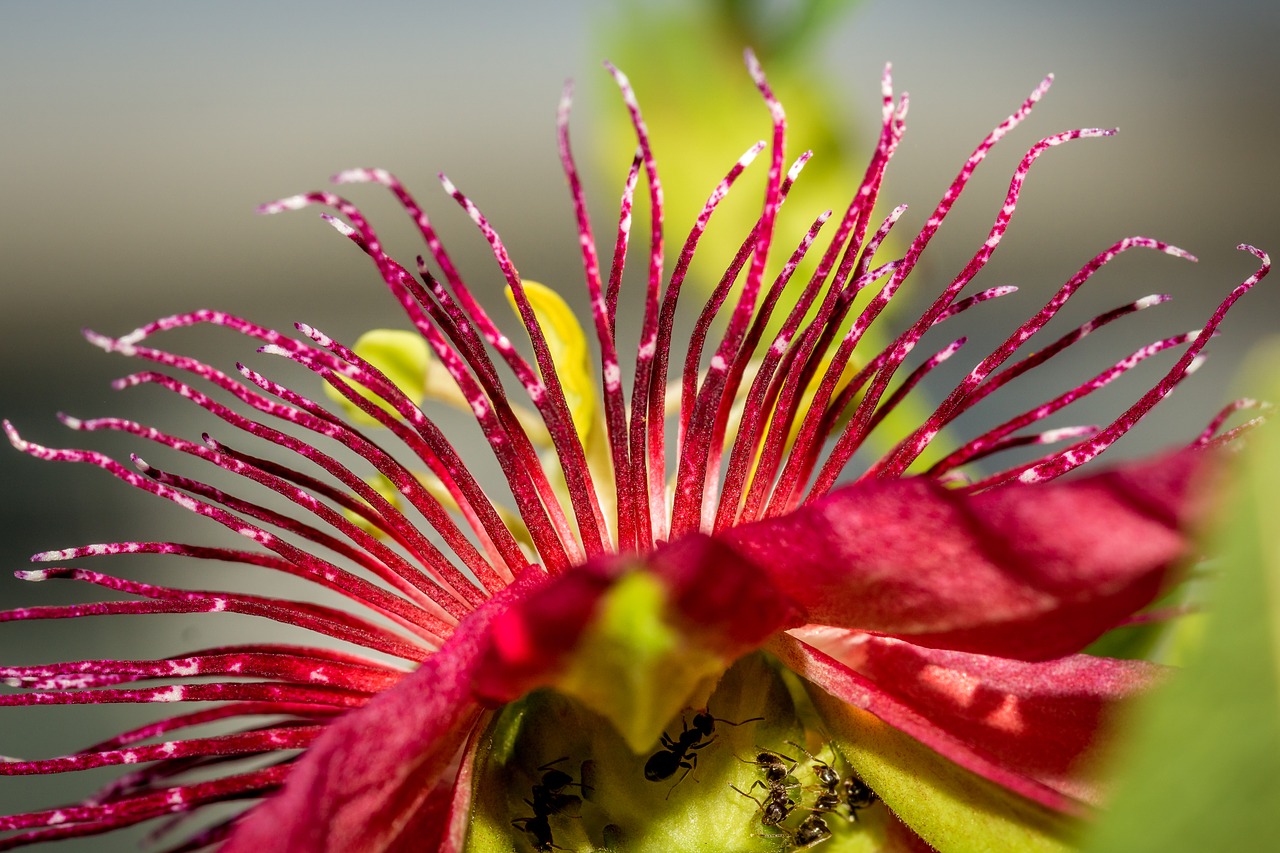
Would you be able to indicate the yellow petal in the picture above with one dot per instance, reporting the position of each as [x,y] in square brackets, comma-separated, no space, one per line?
[405,359]
[568,345]
[388,491]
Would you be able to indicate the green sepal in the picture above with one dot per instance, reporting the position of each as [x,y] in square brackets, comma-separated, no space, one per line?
[490,828]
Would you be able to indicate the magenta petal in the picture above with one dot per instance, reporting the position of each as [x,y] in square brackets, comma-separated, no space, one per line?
[1039,719]
[373,779]
[1029,572]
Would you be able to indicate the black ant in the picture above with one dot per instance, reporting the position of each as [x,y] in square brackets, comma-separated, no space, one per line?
[777,805]
[826,801]
[828,780]
[773,764]
[539,830]
[548,795]
[857,795]
[548,799]
[680,752]
[811,831]
[822,771]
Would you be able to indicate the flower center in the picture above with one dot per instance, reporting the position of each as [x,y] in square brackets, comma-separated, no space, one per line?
[750,772]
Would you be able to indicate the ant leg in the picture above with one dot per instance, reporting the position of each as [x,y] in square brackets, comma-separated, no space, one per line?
[688,768]
[748,796]
[707,742]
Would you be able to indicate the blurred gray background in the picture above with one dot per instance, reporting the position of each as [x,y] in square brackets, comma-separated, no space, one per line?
[136,139]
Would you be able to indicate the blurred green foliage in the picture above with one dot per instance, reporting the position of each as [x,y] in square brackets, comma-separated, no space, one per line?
[1202,769]
[685,61]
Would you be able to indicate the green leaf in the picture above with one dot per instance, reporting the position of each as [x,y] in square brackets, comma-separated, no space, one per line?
[1202,771]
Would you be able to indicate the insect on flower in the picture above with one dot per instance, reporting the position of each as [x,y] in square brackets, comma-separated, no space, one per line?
[682,751]
[929,617]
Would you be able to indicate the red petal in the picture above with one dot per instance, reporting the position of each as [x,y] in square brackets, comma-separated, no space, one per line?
[1032,572]
[859,691]
[528,643]
[712,594]
[729,603]
[454,819]
[1037,719]
[373,781]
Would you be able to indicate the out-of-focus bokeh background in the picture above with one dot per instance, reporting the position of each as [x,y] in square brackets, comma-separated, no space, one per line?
[136,139]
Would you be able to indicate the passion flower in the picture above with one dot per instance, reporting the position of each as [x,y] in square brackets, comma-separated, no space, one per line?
[747,649]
